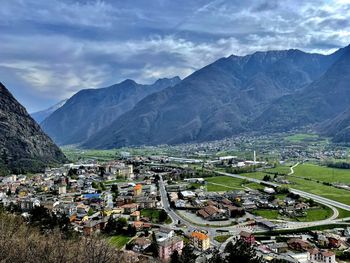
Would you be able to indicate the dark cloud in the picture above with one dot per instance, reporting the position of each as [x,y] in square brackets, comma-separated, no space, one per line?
[51,49]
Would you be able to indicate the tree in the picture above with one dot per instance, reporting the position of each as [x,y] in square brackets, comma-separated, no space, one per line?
[131,231]
[90,212]
[111,226]
[267,178]
[154,248]
[102,186]
[162,216]
[241,252]
[94,185]
[115,190]
[174,258]
[188,255]
[216,257]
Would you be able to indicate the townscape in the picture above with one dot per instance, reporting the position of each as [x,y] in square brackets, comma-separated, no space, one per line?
[158,206]
[174,131]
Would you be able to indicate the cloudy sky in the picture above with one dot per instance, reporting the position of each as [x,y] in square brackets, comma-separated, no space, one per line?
[50,49]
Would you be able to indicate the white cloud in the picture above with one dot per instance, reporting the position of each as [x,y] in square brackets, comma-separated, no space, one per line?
[58,47]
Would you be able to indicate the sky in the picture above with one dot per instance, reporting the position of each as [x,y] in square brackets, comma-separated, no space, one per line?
[50,49]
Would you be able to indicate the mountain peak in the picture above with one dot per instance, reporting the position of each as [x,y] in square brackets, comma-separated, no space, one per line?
[175,79]
[129,82]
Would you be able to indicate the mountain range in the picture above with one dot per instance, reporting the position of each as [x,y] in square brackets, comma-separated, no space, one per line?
[24,147]
[39,116]
[263,92]
[91,110]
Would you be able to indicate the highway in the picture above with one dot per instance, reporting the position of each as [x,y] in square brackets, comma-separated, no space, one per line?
[212,231]
[317,198]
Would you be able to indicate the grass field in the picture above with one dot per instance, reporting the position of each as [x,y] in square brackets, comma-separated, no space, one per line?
[322,173]
[320,189]
[226,183]
[222,239]
[74,154]
[309,170]
[343,213]
[119,241]
[302,137]
[316,214]
[267,213]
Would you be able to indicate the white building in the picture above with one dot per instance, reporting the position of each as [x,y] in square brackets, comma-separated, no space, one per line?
[317,256]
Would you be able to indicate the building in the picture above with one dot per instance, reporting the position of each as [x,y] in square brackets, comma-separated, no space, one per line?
[164,233]
[137,190]
[298,244]
[141,244]
[135,216]
[62,189]
[168,246]
[129,208]
[315,255]
[200,241]
[247,237]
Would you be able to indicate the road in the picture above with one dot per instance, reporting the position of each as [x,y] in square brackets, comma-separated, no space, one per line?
[317,198]
[292,168]
[212,231]
[175,217]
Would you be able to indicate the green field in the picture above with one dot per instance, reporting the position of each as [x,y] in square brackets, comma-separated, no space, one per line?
[226,183]
[343,213]
[322,173]
[316,214]
[119,241]
[74,154]
[222,239]
[320,189]
[267,213]
[302,137]
[309,171]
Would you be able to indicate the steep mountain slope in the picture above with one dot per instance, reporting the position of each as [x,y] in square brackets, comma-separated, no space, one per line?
[90,110]
[325,98]
[338,127]
[39,116]
[214,102]
[23,145]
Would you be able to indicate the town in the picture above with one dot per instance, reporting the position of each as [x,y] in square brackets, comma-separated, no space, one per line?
[163,207]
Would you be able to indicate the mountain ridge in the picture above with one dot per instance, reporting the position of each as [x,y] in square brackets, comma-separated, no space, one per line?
[24,147]
[90,110]
[216,101]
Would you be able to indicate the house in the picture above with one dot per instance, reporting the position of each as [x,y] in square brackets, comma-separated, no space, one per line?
[137,190]
[168,246]
[315,255]
[94,226]
[269,190]
[28,204]
[129,208]
[280,247]
[200,240]
[164,233]
[298,244]
[247,237]
[141,244]
[211,212]
[135,216]
[187,194]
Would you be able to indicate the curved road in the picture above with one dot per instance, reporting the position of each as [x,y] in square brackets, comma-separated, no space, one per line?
[237,228]
[317,198]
